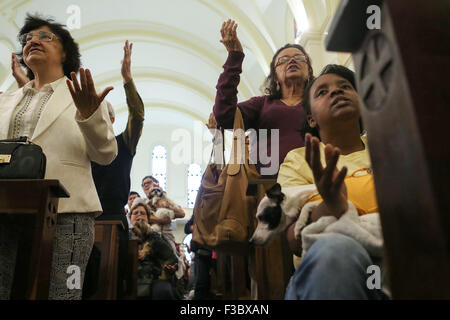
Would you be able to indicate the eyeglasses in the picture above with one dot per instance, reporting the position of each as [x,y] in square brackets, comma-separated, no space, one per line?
[144,184]
[137,213]
[42,36]
[284,59]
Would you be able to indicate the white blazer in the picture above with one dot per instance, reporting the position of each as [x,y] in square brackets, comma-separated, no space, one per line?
[69,143]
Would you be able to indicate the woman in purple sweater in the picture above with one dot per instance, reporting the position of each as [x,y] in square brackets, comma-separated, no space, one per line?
[281,108]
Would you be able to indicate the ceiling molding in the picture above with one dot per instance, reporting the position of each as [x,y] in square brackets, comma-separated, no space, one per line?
[94,36]
[162,104]
[311,36]
[289,25]
[267,30]
[9,9]
[159,74]
[317,33]
[261,47]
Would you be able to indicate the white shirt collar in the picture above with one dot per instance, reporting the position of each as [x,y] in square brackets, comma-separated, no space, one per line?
[46,88]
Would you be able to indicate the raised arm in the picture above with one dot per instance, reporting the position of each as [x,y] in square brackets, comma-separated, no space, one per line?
[161,221]
[226,96]
[179,212]
[136,111]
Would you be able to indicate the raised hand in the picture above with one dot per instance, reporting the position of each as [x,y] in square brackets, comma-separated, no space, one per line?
[213,129]
[85,97]
[212,124]
[229,36]
[126,62]
[329,181]
[17,71]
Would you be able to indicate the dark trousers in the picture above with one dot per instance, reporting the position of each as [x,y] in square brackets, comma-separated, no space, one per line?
[162,290]
[203,260]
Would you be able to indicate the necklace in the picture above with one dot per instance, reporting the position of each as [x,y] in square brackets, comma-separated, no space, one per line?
[19,121]
[291,104]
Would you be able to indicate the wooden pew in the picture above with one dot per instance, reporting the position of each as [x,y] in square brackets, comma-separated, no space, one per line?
[402,79]
[107,241]
[33,205]
[230,280]
[132,270]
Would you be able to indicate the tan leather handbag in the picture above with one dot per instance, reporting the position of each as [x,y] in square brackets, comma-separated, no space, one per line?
[223,213]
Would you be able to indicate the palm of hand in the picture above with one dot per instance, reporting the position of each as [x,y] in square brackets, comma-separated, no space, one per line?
[229,37]
[85,97]
[333,192]
[329,181]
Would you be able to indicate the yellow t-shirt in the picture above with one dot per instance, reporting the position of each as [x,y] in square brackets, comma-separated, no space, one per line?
[295,171]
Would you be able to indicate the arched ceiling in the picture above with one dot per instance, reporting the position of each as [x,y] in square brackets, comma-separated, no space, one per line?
[177,56]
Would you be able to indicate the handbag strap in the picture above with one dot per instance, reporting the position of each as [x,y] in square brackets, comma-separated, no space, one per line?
[236,158]
[16,140]
[211,158]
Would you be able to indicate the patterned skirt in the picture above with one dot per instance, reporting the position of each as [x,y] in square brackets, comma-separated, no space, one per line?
[74,239]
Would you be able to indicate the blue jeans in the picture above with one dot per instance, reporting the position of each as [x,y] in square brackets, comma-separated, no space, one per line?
[334,268]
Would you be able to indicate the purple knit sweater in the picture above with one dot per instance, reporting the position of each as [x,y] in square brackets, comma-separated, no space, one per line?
[258,113]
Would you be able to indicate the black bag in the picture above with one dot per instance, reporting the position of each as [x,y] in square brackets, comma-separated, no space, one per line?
[21,159]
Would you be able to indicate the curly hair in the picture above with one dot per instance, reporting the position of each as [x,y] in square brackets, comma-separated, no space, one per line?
[72,61]
[140,202]
[270,84]
[339,70]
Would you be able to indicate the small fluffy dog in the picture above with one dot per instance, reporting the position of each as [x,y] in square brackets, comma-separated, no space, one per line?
[153,249]
[155,194]
[158,199]
[276,212]
[162,207]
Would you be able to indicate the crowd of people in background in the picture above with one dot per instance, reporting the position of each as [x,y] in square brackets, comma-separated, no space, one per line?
[157,278]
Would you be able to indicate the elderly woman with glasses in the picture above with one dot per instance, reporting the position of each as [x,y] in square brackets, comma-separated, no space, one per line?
[70,121]
[281,108]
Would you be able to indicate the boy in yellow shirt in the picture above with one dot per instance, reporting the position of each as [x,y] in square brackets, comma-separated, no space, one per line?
[334,266]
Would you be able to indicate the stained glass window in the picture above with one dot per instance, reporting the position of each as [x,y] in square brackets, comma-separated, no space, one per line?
[159,165]
[194,180]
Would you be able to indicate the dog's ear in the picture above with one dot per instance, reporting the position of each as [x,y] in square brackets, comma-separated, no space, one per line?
[275,193]
[271,216]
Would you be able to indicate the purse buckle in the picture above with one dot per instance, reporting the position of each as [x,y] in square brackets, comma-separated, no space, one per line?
[5,158]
